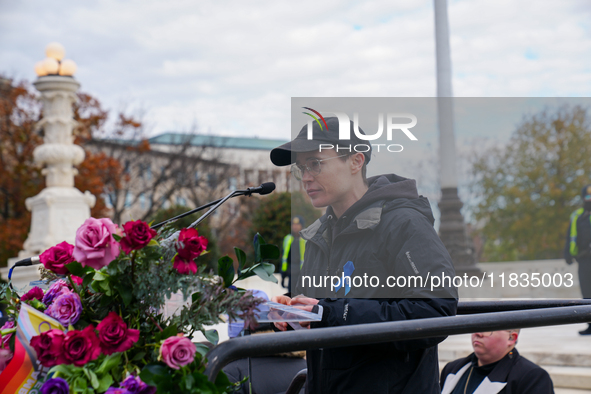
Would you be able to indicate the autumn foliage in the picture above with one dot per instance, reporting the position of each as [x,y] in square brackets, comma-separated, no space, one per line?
[528,188]
[20,176]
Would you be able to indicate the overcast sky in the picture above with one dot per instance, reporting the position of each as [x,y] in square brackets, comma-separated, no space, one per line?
[231,67]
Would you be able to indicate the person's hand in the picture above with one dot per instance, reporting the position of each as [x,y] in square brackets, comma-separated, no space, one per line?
[285,300]
[302,300]
[305,304]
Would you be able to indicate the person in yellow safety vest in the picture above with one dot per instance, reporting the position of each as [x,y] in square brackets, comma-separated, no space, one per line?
[292,254]
[578,245]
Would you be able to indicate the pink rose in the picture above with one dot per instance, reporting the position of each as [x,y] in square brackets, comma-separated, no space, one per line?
[137,235]
[48,346]
[95,245]
[190,245]
[80,347]
[5,338]
[177,352]
[114,336]
[56,258]
[5,357]
[35,292]
[76,279]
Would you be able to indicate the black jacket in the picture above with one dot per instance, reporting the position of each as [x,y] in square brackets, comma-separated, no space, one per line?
[514,374]
[388,232]
[270,375]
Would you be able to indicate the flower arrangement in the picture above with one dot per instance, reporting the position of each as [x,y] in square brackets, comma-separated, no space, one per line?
[103,330]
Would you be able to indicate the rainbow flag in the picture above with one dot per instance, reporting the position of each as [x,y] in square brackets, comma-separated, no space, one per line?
[23,374]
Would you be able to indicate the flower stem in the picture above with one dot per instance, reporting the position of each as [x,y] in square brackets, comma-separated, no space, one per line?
[156,323]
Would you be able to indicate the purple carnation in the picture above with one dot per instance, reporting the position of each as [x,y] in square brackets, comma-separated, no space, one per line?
[66,308]
[134,385]
[55,386]
[35,292]
[56,289]
[6,338]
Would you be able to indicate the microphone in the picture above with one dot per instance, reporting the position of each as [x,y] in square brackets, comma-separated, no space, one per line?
[263,189]
[28,261]
[23,263]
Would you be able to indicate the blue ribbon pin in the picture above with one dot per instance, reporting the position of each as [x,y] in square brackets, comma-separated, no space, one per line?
[347,270]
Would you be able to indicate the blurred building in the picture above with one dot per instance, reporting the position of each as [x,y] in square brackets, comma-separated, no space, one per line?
[175,169]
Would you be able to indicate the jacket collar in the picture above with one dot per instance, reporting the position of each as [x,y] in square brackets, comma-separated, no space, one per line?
[492,384]
[369,218]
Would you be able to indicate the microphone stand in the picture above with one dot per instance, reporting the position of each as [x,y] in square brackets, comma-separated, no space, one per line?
[265,188]
[216,204]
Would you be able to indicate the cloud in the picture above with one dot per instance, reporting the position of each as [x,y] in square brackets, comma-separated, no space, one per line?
[233,67]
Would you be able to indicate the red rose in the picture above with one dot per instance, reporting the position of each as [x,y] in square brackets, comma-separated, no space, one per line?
[80,347]
[48,346]
[56,258]
[114,336]
[184,266]
[190,245]
[137,235]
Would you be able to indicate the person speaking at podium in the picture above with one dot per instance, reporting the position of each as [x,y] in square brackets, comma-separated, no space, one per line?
[374,229]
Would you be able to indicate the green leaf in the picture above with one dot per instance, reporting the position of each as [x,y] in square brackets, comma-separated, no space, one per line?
[153,373]
[265,272]
[205,386]
[169,331]
[76,268]
[153,242]
[80,384]
[63,369]
[189,380]
[87,280]
[202,349]
[138,356]
[35,303]
[241,256]
[125,292]
[212,336]
[222,382]
[93,379]
[100,276]
[258,241]
[226,270]
[247,273]
[104,383]
[109,363]
[269,252]
[195,297]
[116,237]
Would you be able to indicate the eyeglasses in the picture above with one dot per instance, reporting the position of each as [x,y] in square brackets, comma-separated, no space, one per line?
[312,166]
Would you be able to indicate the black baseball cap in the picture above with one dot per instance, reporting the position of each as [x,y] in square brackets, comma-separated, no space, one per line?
[327,134]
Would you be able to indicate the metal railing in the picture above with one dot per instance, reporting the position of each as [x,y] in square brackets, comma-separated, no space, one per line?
[472,317]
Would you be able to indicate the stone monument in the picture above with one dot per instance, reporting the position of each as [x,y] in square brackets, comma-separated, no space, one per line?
[452,229]
[60,208]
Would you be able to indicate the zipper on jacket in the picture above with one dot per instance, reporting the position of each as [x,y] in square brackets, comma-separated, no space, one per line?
[329,218]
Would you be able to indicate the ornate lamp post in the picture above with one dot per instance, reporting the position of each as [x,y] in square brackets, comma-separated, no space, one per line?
[60,208]
[452,230]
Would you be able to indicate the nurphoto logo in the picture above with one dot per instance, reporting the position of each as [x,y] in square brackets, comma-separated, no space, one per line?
[392,123]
